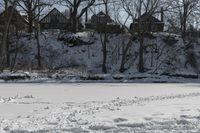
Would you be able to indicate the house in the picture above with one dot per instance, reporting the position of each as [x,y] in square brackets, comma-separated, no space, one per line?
[55,20]
[148,23]
[102,22]
[17,21]
[100,19]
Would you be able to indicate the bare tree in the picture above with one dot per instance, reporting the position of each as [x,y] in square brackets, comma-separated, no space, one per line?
[185,10]
[33,9]
[104,37]
[37,35]
[30,7]
[17,48]
[104,33]
[4,47]
[134,9]
[77,9]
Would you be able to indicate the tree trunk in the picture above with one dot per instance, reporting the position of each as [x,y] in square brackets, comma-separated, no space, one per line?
[30,24]
[38,50]
[104,68]
[104,42]
[30,17]
[141,54]
[122,68]
[7,51]
[16,51]
[4,46]
[74,19]
[184,19]
[141,39]
[184,28]
[74,24]
[38,39]
[124,54]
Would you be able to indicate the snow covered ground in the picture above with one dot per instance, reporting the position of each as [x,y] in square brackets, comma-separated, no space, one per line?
[63,108]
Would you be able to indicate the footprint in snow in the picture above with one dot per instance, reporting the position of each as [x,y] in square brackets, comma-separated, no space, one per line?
[131,125]
[148,118]
[186,110]
[158,114]
[46,108]
[29,97]
[118,120]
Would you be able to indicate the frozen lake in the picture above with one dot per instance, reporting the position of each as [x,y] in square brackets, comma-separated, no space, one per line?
[39,108]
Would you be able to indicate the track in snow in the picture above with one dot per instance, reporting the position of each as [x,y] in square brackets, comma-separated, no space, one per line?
[81,117]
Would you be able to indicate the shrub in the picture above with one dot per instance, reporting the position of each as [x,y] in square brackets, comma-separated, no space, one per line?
[170,41]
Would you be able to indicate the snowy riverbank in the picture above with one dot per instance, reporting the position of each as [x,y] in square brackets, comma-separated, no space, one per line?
[66,77]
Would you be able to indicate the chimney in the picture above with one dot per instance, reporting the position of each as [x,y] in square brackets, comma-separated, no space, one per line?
[162,14]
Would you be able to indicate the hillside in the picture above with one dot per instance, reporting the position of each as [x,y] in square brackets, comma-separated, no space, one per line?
[81,54]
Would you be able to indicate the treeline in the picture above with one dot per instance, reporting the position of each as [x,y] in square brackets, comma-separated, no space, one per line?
[180,16]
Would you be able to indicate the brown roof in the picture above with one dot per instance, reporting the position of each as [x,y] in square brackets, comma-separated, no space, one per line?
[54,9]
[15,12]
